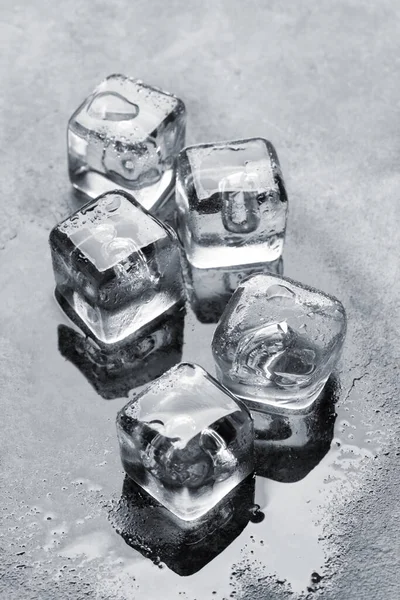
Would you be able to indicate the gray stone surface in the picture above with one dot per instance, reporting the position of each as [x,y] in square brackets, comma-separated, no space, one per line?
[321,81]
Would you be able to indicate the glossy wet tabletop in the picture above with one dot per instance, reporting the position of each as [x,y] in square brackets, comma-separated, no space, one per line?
[321,83]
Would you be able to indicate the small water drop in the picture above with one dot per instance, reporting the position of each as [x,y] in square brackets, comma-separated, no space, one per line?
[256,514]
[315,577]
[112,203]
[129,164]
[280,291]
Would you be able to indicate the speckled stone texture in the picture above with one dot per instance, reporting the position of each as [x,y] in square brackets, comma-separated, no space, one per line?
[320,80]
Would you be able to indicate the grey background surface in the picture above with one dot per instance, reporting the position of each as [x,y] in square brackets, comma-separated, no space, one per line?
[321,81]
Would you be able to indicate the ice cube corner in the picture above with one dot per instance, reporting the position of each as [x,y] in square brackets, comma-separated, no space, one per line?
[186,440]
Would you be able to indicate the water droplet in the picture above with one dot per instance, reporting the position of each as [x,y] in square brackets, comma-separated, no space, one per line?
[280,291]
[256,514]
[129,164]
[111,204]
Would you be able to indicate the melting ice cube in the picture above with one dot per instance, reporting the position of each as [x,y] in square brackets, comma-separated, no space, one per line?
[186,440]
[278,341]
[126,133]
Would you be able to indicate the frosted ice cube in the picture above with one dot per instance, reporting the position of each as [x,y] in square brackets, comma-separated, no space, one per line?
[116,265]
[148,527]
[186,440]
[115,369]
[209,290]
[278,341]
[126,133]
[232,203]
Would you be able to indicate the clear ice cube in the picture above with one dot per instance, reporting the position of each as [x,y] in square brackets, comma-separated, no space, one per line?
[186,440]
[117,266]
[278,341]
[209,290]
[126,133]
[232,203]
[116,369]
[148,527]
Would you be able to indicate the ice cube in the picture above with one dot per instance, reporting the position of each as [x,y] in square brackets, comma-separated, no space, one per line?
[185,547]
[186,440]
[126,133]
[117,266]
[209,290]
[278,341]
[115,369]
[289,445]
[232,203]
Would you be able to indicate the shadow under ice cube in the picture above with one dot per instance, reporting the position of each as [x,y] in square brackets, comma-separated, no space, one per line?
[126,133]
[115,369]
[278,341]
[288,445]
[184,546]
[116,265]
[232,203]
[186,440]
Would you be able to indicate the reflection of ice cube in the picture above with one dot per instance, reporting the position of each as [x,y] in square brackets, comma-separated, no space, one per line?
[115,369]
[289,445]
[184,547]
[278,341]
[209,290]
[126,133]
[116,265]
[189,441]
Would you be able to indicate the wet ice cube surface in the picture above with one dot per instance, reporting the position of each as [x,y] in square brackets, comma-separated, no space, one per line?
[278,341]
[116,266]
[232,203]
[126,133]
[186,441]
